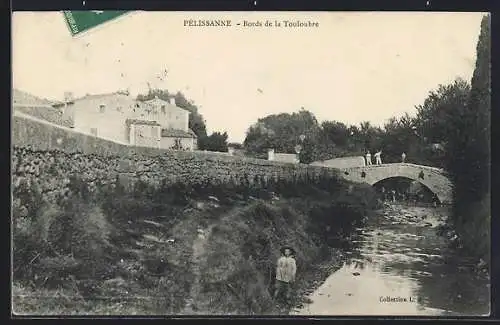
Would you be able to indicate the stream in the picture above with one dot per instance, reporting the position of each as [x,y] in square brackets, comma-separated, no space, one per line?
[399,265]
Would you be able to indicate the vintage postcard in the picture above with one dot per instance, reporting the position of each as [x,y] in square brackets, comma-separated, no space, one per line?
[250,163]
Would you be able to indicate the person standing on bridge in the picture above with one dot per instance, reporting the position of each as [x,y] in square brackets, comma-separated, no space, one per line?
[285,273]
[403,157]
[368,158]
[378,159]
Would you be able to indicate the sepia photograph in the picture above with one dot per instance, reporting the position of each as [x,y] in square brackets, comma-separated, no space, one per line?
[175,163]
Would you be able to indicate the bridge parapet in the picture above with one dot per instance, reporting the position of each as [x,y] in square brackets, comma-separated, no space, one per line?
[436,169]
[433,178]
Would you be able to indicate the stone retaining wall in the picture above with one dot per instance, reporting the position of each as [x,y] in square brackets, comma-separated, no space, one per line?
[47,155]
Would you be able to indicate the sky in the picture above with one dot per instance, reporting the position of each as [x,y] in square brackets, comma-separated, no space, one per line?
[354,67]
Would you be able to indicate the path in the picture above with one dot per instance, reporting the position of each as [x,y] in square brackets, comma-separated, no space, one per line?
[198,250]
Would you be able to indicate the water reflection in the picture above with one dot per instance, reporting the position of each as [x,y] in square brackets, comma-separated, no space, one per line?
[398,265]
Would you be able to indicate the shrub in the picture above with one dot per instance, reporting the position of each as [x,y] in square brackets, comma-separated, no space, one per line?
[60,240]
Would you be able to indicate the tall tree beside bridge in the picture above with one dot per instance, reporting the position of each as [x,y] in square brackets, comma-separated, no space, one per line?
[439,108]
[468,151]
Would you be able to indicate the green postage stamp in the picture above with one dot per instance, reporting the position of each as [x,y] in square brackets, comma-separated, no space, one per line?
[81,21]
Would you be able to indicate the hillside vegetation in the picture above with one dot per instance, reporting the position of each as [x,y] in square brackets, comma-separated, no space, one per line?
[134,251]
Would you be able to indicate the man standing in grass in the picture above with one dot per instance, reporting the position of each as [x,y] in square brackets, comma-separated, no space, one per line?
[285,273]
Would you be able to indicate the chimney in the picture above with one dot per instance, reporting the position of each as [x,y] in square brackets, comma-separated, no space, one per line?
[230,151]
[68,96]
[68,110]
[156,96]
[172,101]
[125,92]
[270,154]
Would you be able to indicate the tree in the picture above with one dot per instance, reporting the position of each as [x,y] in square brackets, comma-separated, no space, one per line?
[216,142]
[479,113]
[369,136]
[439,108]
[400,135]
[281,132]
[468,155]
[335,132]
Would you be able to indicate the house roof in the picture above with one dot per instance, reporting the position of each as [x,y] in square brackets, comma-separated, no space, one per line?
[38,107]
[101,95]
[62,103]
[174,133]
[157,101]
[23,98]
[141,122]
[49,114]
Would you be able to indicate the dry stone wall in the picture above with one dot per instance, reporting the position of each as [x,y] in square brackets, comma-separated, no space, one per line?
[48,155]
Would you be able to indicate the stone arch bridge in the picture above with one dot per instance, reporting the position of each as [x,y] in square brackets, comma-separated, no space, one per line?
[435,179]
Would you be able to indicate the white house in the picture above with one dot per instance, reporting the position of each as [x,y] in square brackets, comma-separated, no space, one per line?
[119,116]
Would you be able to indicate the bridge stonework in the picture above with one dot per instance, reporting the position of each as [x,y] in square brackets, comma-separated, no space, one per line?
[435,179]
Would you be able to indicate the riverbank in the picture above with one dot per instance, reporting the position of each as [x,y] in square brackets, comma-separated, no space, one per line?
[237,267]
[139,251]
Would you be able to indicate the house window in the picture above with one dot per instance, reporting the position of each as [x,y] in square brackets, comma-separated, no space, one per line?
[102,107]
[163,109]
[93,131]
[119,108]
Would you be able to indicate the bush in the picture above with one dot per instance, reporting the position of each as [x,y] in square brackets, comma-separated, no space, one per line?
[53,241]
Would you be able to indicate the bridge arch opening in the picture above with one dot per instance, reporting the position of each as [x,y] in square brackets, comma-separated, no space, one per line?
[400,188]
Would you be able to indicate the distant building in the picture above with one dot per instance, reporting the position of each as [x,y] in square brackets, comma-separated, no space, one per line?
[237,151]
[282,157]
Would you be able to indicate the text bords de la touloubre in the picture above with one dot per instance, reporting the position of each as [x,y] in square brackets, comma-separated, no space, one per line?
[269,23]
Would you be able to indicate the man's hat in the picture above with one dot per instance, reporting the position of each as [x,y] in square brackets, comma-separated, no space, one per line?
[282,250]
